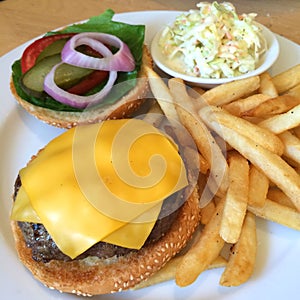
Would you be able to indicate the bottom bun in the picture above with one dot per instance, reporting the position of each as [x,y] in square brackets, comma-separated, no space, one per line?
[92,276]
[124,107]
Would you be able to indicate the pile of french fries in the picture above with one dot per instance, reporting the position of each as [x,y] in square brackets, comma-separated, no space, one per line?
[256,175]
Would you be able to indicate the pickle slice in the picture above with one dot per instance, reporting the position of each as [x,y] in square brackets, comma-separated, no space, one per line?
[65,76]
[33,80]
[68,75]
[54,48]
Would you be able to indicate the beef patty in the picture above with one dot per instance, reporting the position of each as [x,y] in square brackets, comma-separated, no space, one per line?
[44,248]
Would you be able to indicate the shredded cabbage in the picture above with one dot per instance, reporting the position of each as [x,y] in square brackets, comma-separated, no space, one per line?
[214,41]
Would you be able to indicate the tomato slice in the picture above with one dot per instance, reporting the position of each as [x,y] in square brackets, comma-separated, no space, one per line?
[33,50]
[88,82]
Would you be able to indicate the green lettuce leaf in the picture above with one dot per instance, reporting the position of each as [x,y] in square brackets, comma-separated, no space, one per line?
[132,35]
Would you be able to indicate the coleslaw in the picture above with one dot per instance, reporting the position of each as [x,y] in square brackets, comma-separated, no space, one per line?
[213,41]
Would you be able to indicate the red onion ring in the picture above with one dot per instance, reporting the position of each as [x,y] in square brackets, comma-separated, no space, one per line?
[60,95]
[122,60]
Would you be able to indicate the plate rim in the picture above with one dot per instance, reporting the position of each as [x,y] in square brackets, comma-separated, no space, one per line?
[33,288]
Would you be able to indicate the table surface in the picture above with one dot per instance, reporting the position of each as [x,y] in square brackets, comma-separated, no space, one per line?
[22,20]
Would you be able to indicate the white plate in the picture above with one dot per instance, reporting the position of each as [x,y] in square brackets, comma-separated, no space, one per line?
[166,65]
[276,274]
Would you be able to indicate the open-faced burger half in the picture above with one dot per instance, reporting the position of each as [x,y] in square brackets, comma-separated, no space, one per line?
[84,73]
[109,221]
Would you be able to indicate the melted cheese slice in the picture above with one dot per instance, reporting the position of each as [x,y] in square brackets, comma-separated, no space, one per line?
[100,182]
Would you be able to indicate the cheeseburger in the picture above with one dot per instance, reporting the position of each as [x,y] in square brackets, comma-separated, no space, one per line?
[102,207]
[83,73]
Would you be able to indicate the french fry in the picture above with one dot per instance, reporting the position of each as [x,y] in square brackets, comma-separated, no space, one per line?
[240,107]
[260,135]
[295,91]
[154,115]
[162,94]
[207,212]
[219,262]
[287,79]
[202,182]
[206,196]
[236,199]
[258,187]
[155,109]
[169,270]
[256,122]
[213,188]
[283,122]
[231,91]
[291,146]
[276,195]
[267,86]
[274,106]
[166,103]
[242,258]
[203,253]
[195,160]
[178,90]
[278,213]
[205,142]
[207,147]
[272,165]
